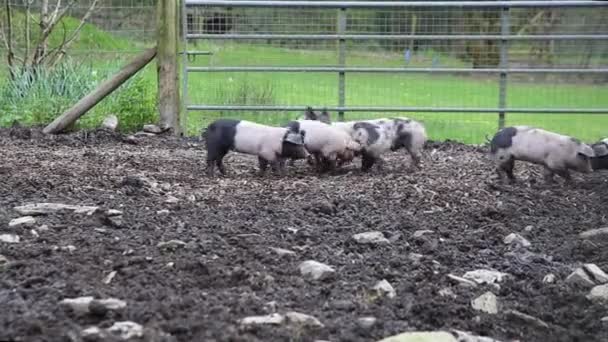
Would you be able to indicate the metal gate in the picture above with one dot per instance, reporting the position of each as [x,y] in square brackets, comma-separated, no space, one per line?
[502,39]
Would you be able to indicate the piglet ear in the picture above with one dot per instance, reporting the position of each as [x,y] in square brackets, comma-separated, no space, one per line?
[582,156]
[303,133]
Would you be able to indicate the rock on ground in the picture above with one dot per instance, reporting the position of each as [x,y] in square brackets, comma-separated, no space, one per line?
[282,251]
[302,319]
[384,288]
[110,122]
[49,208]
[273,318]
[486,302]
[596,273]
[594,232]
[83,305]
[483,276]
[374,237]
[516,239]
[316,270]
[24,221]
[9,238]
[127,330]
[421,336]
[599,294]
[580,277]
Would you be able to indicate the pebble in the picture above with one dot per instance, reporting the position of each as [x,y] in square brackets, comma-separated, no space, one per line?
[25,221]
[384,288]
[462,281]
[420,233]
[43,228]
[108,279]
[596,273]
[127,330]
[549,278]
[302,319]
[447,292]
[282,252]
[366,322]
[82,305]
[273,318]
[171,200]
[421,336]
[529,228]
[593,233]
[113,212]
[374,237]
[516,239]
[49,208]
[580,277]
[110,122]
[599,294]
[316,270]
[485,276]
[486,302]
[163,212]
[171,244]
[9,238]
[3,260]
[154,129]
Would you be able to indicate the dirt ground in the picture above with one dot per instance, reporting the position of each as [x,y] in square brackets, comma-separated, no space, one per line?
[227,270]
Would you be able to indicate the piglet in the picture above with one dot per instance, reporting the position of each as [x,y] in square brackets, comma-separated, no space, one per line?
[272,145]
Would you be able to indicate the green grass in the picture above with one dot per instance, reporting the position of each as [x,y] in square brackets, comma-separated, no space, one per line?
[415,90]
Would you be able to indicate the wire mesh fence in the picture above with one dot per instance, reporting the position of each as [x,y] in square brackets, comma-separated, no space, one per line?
[54,52]
[400,40]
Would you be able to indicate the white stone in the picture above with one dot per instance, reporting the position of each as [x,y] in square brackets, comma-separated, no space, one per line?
[43,228]
[113,212]
[366,322]
[486,302]
[421,336]
[273,318]
[127,330]
[462,281]
[447,292]
[593,233]
[281,251]
[9,238]
[302,319]
[484,276]
[108,279]
[517,239]
[49,208]
[171,244]
[110,122]
[3,259]
[604,319]
[384,288]
[80,305]
[25,221]
[599,276]
[163,212]
[580,277]
[529,228]
[549,278]
[599,293]
[374,237]
[420,233]
[93,331]
[171,200]
[463,336]
[316,270]
[152,129]
[34,233]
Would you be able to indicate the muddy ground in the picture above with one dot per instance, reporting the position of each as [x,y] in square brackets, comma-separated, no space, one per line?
[227,269]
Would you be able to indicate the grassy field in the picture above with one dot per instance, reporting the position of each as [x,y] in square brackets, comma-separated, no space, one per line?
[416,90]
[317,89]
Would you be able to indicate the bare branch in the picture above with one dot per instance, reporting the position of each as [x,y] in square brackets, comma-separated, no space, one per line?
[27,32]
[9,43]
[81,24]
[54,55]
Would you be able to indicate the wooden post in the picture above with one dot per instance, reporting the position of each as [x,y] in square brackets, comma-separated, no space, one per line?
[108,86]
[168,77]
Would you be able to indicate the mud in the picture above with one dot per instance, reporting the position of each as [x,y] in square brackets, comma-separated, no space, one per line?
[227,270]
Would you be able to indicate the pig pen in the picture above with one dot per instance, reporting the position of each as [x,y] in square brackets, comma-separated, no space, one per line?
[191,256]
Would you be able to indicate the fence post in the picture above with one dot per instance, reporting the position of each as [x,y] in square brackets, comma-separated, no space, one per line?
[184,102]
[504,62]
[341,61]
[168,88]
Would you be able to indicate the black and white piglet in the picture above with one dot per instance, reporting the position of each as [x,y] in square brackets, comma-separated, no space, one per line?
[272,145]
[600,161]
[557,153]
